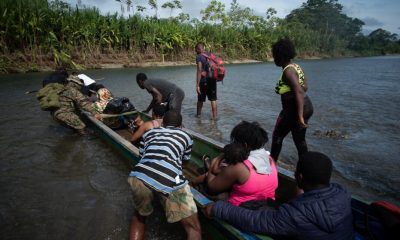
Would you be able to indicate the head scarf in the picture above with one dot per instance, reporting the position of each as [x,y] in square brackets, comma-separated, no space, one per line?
[103,96]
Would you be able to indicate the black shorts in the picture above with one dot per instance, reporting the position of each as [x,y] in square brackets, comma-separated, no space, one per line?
[207,88]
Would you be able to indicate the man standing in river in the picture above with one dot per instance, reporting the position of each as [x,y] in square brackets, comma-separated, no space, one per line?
[160,173]
[205,87]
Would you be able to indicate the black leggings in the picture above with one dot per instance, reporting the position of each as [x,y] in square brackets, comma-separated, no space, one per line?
[287,122]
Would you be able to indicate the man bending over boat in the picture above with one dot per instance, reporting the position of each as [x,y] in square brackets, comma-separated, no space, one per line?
[159,172]
[71,100]
[163,92]
[323,211]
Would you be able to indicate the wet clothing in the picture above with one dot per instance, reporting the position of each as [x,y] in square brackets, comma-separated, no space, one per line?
[71,100]
[175,100]
[323,214]
[178,205]
[162,153]
[257,187]
[169,91]
[208,87]
[287,120]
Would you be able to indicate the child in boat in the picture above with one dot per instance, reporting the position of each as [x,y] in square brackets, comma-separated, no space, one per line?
[232,153]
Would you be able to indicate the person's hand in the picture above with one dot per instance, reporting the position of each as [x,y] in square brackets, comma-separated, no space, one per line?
[198,89]
[215,164]
[302,124]
[98,117]
[208,210]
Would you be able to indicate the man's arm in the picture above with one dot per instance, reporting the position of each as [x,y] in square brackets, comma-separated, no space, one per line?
[157,98]
[139,133]
[198,76]
[271,222]
[83,102]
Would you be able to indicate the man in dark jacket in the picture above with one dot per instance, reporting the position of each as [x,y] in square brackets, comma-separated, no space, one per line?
[323,211]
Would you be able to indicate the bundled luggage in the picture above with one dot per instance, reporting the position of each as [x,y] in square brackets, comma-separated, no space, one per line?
[119,105]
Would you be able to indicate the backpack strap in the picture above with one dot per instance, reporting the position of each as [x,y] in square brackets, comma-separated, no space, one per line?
[209,58]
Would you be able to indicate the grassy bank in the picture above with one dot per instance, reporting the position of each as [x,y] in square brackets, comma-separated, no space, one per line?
[25,62]
[39,35]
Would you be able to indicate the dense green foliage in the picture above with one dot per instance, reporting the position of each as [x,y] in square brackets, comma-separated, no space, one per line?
[38,30]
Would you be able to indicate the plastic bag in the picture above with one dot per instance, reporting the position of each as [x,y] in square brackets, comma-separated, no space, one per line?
[119,105]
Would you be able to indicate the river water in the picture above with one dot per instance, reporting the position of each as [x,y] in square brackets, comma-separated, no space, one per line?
[57,185]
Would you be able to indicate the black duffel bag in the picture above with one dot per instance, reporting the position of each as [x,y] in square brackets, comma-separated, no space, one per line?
[119,105]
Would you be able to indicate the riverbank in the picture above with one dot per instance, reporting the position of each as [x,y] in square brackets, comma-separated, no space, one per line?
[23,62]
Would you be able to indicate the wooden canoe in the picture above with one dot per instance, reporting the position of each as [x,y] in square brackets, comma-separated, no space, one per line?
[216,228]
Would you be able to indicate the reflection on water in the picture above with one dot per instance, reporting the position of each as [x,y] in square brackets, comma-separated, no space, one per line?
[58,185]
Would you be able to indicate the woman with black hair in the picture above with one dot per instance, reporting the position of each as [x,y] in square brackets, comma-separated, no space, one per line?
[296,105]
[249,173]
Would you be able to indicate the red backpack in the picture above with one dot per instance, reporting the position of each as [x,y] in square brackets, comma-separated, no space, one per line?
[216,69]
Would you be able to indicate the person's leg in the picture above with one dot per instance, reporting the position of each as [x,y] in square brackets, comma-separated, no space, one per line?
[299,134]
[199,107]
[282,128]
[136,230]
[212,96]
[192,227]
[71,120]
[180,206]
[299,139]
[142,198]
[201,98]
[214,110]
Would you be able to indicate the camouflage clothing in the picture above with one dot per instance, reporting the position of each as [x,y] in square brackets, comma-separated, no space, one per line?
[71,99]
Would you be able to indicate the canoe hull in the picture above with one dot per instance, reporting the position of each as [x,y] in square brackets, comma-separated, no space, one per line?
[215,228]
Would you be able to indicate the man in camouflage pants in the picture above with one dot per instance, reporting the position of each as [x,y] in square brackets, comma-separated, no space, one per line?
[71,99]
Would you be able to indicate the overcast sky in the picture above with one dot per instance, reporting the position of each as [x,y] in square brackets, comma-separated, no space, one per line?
[374,13]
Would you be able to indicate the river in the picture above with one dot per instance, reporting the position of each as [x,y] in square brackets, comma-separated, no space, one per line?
[55,184]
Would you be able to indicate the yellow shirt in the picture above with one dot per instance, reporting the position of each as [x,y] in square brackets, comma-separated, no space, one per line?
[282,87]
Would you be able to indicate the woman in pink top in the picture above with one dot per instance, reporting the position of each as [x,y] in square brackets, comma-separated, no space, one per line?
[257,187]
[248,178]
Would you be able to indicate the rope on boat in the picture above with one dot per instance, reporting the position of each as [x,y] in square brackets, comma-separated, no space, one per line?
[103,115]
